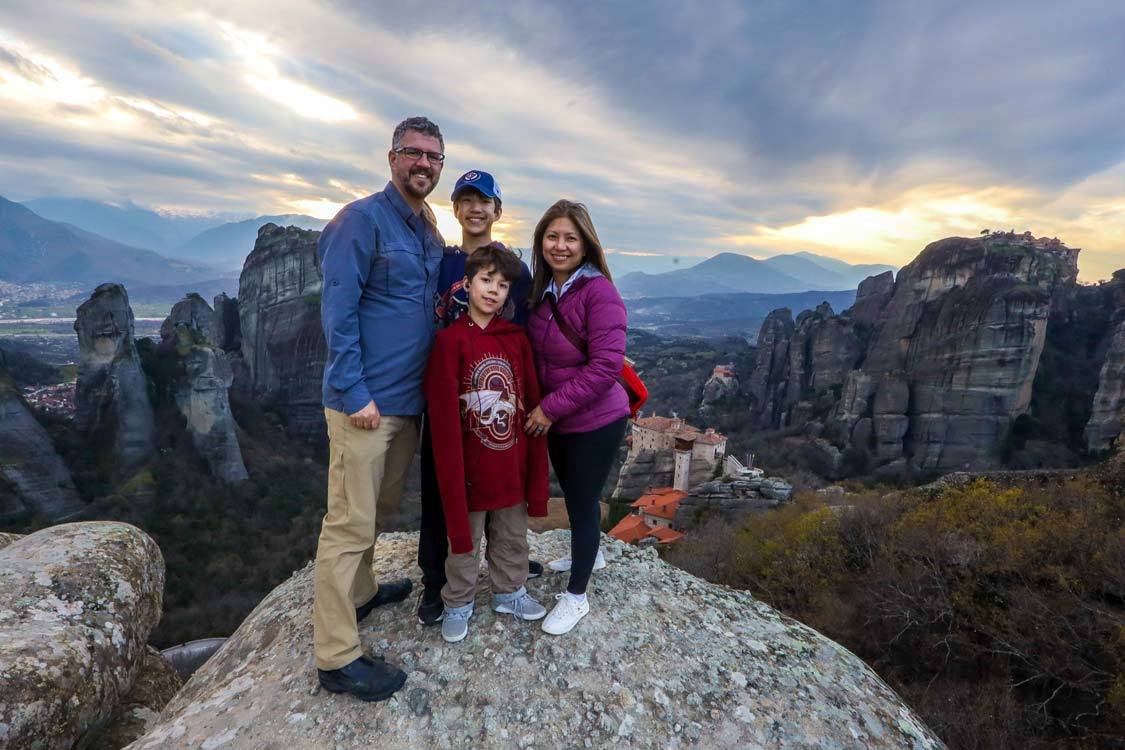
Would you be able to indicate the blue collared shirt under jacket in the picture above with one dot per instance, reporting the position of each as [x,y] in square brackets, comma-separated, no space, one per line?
[380,265]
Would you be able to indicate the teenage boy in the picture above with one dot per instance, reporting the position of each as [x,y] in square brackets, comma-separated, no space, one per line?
[477,204]
[480,385]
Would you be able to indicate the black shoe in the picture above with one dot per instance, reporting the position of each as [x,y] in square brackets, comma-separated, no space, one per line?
[430,606]
[364,678]
[388,593]
[534,569]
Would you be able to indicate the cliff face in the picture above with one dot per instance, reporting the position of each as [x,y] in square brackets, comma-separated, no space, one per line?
[767,380]
[200,384]
[111,397]
[1107,413]
[32,476]
[279,317]
[664,660]
[925,373]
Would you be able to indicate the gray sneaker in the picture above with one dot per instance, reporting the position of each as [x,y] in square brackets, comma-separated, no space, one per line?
[455,623]
[520,604]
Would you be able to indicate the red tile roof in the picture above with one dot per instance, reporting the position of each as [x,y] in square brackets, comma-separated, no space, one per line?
[630,529]
[665,535]
[659,497]
[666,511]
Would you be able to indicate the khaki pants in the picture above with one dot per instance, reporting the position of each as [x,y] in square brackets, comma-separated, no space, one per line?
[366,469]
[506,555]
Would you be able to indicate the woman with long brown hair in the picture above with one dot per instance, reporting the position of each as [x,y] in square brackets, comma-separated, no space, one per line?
[577,331]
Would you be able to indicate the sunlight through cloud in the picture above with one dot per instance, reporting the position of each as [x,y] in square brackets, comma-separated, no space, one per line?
[264,77]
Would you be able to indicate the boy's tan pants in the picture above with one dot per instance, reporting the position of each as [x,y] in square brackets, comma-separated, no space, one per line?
[366,469]
[507,556]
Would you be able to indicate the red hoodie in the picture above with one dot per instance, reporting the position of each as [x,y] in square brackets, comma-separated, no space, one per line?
[480,385]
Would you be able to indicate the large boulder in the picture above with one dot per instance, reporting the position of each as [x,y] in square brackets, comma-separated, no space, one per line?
[77,603]
[33,479]
[664,660]
[112,398]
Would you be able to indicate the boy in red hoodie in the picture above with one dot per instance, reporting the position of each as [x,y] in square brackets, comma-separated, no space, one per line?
[480,385]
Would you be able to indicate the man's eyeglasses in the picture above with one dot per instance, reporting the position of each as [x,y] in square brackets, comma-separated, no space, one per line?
[416,153]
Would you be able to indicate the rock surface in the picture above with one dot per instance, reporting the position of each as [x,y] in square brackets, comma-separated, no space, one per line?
[767,381]
[111,398]
[282,341]
[664,660]
[1107,418]
[730,500]
[226,329]
[77,603]
[32,476]
[6,539]
[200,387]
[156,683]
[642,471]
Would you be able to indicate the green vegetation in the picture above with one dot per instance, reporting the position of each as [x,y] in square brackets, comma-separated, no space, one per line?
[998,613]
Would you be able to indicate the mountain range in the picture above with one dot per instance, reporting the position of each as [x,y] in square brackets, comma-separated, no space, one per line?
[222,240]
[34,249]
[71,239]
[227,245]
[732,273]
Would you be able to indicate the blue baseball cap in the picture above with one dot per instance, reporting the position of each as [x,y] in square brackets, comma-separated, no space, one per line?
[480,181]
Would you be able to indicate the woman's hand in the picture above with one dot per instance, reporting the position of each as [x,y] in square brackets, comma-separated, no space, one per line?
[537,423]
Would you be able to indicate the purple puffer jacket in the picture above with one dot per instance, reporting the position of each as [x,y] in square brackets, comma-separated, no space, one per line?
[581,395]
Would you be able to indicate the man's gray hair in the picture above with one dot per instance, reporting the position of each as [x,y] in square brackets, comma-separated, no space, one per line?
[422,125]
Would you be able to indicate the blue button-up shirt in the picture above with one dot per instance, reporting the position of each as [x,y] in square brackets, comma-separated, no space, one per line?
[380,264]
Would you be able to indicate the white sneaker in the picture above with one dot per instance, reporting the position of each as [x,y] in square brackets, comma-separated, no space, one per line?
[566,614]
[562,565]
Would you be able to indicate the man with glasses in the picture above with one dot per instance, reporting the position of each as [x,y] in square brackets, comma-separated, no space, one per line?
[380,258]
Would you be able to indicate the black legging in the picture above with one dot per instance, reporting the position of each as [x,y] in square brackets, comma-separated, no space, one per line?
[581,461]
[432,543]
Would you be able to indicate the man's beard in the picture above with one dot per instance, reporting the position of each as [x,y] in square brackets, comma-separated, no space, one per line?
[409,185]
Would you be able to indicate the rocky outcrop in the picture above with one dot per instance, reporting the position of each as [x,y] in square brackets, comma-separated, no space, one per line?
[279,312]
[156,683]
[722,385]
[77,603]
[111,398]
[767,382]
[1107,418]
[33,479]
[664,660]
[226,329]
[926,372]
[200,384]
[730,500]
[822,352]
[643,471]
[872,296]
[6,538]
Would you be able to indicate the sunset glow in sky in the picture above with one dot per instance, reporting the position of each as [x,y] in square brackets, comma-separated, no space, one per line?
[859,130]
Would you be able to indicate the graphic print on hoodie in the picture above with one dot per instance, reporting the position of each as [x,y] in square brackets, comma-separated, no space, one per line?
[480,384]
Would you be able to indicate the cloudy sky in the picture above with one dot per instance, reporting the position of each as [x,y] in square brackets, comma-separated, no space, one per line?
[861,130]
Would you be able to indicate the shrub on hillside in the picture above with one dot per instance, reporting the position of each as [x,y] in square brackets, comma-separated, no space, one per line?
[998,612]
